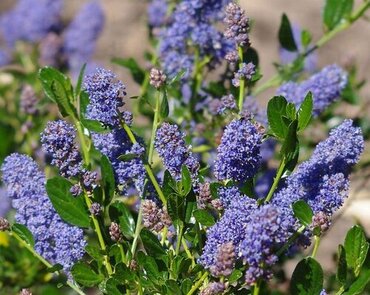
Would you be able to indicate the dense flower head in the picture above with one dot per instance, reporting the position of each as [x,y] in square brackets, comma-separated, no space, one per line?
[224,260]
[171,147]
[81,35]
[326,87]
[50,49]
[229,229]
[204,196]
[106,97]
[237,24]
[55,240]
[157,78]
[154,217]
[114,144]
[238,155]
[31,20]
[28,103]
[213,288]
[322,181]
[157,13]
[58,141]
[268,230]
[287,56]
[4,202]
[245,72]
[192,25]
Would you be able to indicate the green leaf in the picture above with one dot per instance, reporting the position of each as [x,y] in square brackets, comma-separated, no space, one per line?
[94,125]
[123,273]
[290,111]
[84,275]
[306,38]
[176,207]
[335,11]
[341,274]
[80,80]
[164,109]
[307,278]
[24,233]
[356,247]
[138,74]
[108,180]
[204,217]
[84,102]
[94,253]
[303,212]
[151,268]
[151,244]
[359,285]
[127,157]
[126,221]
[172,287]
[305,112]
[186,286]
[276,109]
[286,37]
[177,77]
[169,184]
[235,275]
[70,209]
[59,89]
[185,180]
[111,287]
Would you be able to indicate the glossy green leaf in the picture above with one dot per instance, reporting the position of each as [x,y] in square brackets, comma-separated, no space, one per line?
[235,275]
[80,80]
[24,233]
[151,244]
[276,109]
[204,217]
[138,74]
[307,278]
[304,113]
[306,38]
[70,209]
[186,286]
[94,252]
[358,286]
[290,111]
[185,180]
[341,274]
[84,275]
[126,221]
[59,89]
[286,37]
[94,126]
[108,179]
[127,157]
[164,108]
[111,287]
[335,11]
[356,247]
[303,212]
[172,287]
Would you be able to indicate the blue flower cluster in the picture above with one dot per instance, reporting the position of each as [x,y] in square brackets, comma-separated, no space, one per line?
[326,87]
[4,202]
[106,97]
[246,71]
[81,34]
[31,20]
[258,232]
[58,141]
[237,25]
[238,155]
[231,228]
[157,13]
[55,240]
[192,25]
[114,144]
[171,147]
[322,181]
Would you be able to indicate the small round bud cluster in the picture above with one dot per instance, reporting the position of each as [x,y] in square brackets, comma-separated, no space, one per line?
[245,72]
[217,204]
[228,102]
[89,180]
[225,260]
[95,209]
[320,221]
[29,100]
[237,25]
[157,78]
[154,218]
[76,190]
[133,265]
[214,288]
[232,57]
[115,232]
[204,196]
[25,292]
[4,224]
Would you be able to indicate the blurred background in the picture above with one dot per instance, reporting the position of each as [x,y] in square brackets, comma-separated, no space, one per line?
[125,33]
